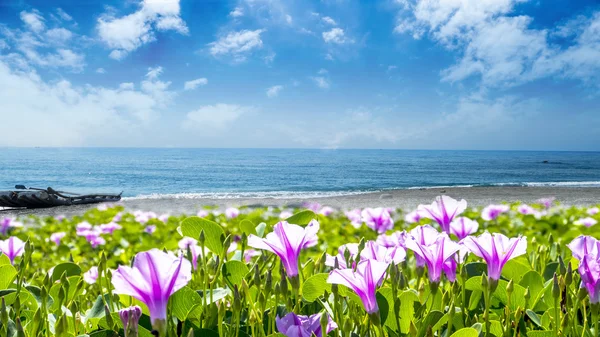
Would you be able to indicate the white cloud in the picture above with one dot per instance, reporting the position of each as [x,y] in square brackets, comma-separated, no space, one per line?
[63,15]
[321,82]
[126,34]
[100,71]
[329,57]
[328,20]
[4,45]
[269,58]
[216,116]
[322,71]
[288,19]
[237,44]
[59,35]
[59,113]
[274,91]
[154,72]
[33,20]
[336,35]
[237,12]
[191,85]
[126,86]
[392,67]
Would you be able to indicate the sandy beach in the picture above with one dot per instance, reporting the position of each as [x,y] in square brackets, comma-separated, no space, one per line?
[406,199]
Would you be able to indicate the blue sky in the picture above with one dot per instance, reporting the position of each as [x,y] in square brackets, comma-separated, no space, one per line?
[433,74]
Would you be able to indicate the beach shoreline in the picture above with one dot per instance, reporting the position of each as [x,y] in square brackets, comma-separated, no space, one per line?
[405,199]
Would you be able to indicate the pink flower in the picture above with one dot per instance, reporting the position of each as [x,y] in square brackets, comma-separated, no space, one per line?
[109,228]
[8,223]
[443,210]
[287,241]
[372,251]
[196,251]
[12,247]
[154,277]
[378,219]
[593,211]
[130,318]
[292,325]
[587,222]
[150,229]
[164,218]
[396,239]
[97,241]
[355,217]
[326,211]
[285,214]
[462,227]
[57,237]
[364,281]
[413,217]
[584,245]
[436,256]
[589,270]
[91,275]
[496,249]
[546,202]
[424,235]
[313,206]
[249,254]
[491,212]
[202,213]
[232,212]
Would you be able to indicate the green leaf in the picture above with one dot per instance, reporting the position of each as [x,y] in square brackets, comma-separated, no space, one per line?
[217,294]
[71,269]
[6,292]
[535,282]
[194,225]
[534,317]
[183,302]
[384,305]
[97,310]
[7,275]
[315,286]
[540,334]
[246,226]
[465,332]
[388,318]
[515,269]
[550,270]
[4,260]
[302,218]
[475,268]
[234,272]
[517,299]
[260,229]
[407,309]
[429,321]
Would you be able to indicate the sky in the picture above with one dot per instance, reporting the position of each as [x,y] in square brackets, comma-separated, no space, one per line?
[406,74]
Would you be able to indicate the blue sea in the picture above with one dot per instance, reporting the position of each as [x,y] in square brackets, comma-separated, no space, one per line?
[231,173]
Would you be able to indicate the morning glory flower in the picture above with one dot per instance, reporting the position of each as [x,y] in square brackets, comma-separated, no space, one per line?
[496,249]
[463,227]
[424,235]
[378,219]
[396,239]
[154,277]
[593,211]
[83,227]
[364,281]
[413,217]
[292,325]
[117,217]
[8,223]
[372,251]
[12,247]
[443,210]
[287,240]
[546,202]
[326,211]
[587,222]
[526,209]
[91,275]
[313,206]
[130,318]
[584,245]
[57,237]
[355,217]
[589,270]
[202,213]
[285,214]
[97,241]
[232,212]
[435,255]
[164,217]
[150,229]
[491,212]
[109,228]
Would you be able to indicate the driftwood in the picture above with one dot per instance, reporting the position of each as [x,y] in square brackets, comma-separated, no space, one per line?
[43,198]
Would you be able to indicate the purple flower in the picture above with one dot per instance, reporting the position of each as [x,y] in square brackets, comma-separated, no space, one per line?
[202,213]
[496,249]
[196,251]
[83,227]
[57,237]
[355,217]
[155,276]
[292,325]
[378,219]
[526,210]
[413,217]
[109,228]
[150,229]
[584,245]
[587,222]
[435,256]
[117,217]
[462,227]
[424,235]
[285,214]
[130,318]
[593,211]
[491,212]
[164,217]
[97,241]
[396,239]
[443,210]
[91,275]
[326,211]
[232,212]
[287,240]
[12,247]
[546,202]
[372,251]
[8,223]
[249,254]
[313,206]
[589,270]
[364,281]
[60,217]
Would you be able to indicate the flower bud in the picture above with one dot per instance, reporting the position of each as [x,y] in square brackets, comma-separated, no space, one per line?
[20,331]
[510,287]
[268,282]
[562,269]
[201,238]
[130,318]
[555,287]
[569,276]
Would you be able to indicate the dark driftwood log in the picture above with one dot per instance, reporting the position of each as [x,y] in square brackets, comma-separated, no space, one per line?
[50,198]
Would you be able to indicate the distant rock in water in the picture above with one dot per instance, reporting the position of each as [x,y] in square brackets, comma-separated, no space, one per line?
[545,162]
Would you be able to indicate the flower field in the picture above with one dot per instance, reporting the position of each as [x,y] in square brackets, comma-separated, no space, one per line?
[444,269]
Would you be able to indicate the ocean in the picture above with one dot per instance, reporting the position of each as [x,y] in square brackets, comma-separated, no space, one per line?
[233,173]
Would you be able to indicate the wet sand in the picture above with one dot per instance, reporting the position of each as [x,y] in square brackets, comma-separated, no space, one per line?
[403,199]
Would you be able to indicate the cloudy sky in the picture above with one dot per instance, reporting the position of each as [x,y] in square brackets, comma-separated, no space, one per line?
[430,74]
